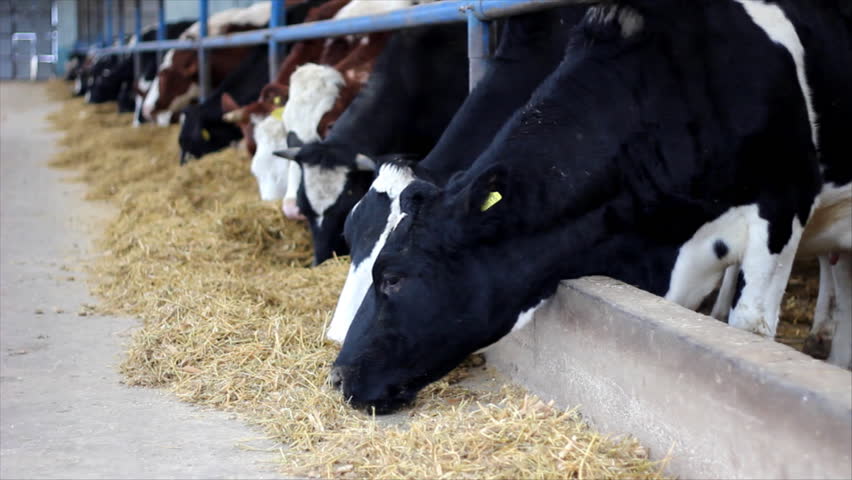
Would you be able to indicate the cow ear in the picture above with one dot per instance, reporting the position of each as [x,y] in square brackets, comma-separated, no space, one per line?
[289,153]
[364,163]
[418,193]
[293,140]
[487,190]
[228,103]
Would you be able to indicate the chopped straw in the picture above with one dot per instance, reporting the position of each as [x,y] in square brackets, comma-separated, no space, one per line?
[233,319]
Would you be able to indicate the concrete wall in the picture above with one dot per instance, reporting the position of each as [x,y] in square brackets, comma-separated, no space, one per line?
[726,403]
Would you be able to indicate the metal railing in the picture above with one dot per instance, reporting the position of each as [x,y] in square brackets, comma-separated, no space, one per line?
[477,14]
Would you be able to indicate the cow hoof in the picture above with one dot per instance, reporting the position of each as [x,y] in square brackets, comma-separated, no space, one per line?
[817,346]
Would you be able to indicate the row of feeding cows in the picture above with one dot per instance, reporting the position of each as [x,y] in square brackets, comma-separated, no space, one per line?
[672,145]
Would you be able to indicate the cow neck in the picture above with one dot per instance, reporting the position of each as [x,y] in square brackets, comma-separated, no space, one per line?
[531,267]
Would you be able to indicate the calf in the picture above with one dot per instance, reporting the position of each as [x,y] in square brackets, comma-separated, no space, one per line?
[651,155]
[412,93]
[202,129]
[530,47]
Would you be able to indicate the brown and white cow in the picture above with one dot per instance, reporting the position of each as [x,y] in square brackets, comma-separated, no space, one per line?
[177,80]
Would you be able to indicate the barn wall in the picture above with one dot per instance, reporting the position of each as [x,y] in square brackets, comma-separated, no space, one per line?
[24,16]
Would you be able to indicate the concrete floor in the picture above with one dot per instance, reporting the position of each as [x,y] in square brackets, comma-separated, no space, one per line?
[64,412]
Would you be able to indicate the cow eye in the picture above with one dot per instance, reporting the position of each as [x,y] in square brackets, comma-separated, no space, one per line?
[391,283]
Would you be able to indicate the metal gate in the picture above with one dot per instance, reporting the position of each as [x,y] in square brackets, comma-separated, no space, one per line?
[28,39]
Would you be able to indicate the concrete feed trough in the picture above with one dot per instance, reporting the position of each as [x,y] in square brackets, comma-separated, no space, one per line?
[724,403]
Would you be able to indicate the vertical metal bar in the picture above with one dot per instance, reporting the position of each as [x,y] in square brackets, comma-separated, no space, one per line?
[108,7]
[100,15]
[477,48]
[161,27]
[120,15]
[203,67]
[137,30]
[277,18]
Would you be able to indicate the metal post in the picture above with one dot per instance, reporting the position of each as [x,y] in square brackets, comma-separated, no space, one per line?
[108,7]
[278,17]
[161,27]
[477,47]
[203,67]
[137,30]
[121,22]
[100,14]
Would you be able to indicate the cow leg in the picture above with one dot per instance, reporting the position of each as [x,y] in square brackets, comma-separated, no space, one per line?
[765,275]
[725,299]
[818,342]
[841,344]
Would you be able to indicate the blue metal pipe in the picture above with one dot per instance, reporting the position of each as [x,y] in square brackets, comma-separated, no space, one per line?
[447,11]
[161,28]
[137,30]
[203,60]
[277,18]
[478,46]
[108,7]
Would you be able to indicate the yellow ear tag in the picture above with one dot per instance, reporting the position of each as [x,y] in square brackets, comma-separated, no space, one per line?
[276,100]
[278,113]
[205,134]
[491,200]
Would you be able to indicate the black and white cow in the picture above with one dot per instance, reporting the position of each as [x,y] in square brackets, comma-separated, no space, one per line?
[675,139]
[202,129]
[73,65]
[530,48]
[109,84]
[96,67]
[412,93]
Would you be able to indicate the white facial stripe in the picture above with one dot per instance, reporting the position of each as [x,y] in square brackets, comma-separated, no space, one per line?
[313,91]
[168,59]
[392,180]
[151,98]
[771,19]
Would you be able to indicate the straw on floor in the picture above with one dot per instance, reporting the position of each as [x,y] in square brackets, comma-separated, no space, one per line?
[234,319]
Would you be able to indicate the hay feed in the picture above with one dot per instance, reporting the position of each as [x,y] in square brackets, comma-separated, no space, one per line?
[233,319]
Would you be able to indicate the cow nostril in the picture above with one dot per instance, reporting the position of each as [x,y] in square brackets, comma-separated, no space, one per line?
[335,378]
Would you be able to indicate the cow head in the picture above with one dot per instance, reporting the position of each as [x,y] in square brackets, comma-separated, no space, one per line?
[126,97]
[314,92]
[334,178]
[272,97]
[434,298]
[366,230]
[270,171]
[108,79]
[101,72]
[175,87]
[202,132]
